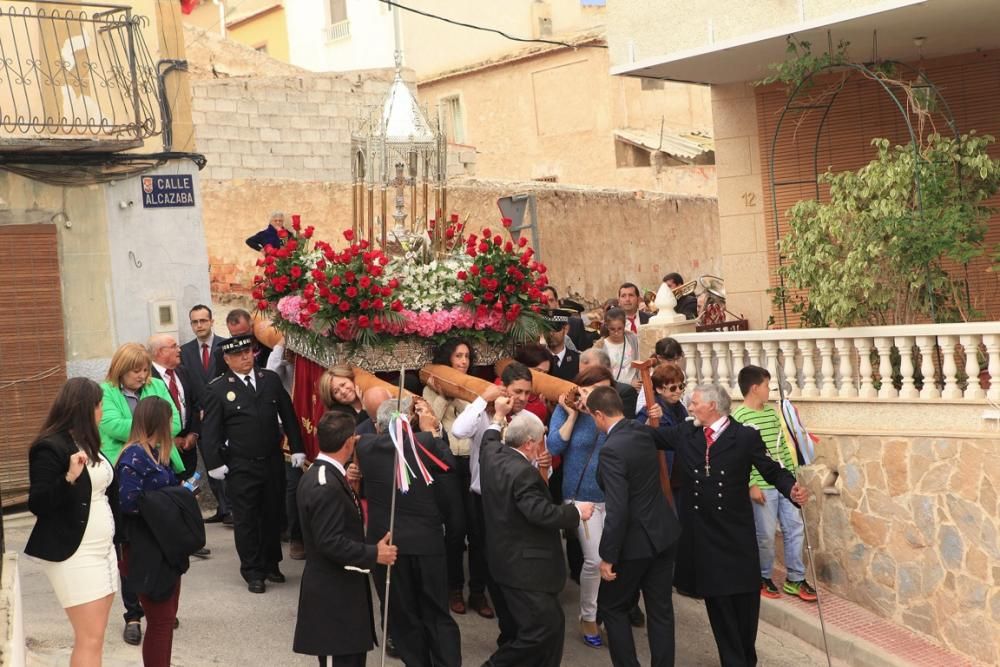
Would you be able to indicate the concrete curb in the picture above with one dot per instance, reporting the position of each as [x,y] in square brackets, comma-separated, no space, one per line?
[843,646]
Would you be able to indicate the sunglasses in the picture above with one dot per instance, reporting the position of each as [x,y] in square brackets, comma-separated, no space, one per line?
[676,387]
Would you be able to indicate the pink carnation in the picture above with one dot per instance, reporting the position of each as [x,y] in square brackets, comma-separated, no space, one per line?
[293,309]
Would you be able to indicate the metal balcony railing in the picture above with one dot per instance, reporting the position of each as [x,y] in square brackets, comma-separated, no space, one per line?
[74,71]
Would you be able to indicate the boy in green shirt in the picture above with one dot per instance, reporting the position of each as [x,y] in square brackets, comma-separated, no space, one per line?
[770,507]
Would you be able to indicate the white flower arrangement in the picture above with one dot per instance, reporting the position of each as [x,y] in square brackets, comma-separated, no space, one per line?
[428,287]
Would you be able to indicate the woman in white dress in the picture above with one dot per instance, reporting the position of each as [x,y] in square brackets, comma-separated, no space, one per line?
[72,493]
[621,346]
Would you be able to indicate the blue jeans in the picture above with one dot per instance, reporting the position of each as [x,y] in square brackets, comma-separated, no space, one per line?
[766,517]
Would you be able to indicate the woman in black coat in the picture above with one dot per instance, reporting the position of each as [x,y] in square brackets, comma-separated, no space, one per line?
[73,493]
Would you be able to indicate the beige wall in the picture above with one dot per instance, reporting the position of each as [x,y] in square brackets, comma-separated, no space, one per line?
[424,38]
[639,29]
[554,114]
[578,229]
[742,237]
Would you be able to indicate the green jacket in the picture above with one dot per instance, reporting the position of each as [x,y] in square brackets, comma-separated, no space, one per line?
[116,423]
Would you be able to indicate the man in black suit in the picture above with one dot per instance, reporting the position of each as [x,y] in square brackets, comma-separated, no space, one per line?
[420,622]
[626,392]
[523,542]
[239,323]
[629,300]
[335,602]
[565,362]
[242,444]
[201,358]
[687,305]
[717,556]
[640,534]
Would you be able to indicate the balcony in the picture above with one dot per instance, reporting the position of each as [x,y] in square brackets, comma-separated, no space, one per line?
[75,77]
[338,31]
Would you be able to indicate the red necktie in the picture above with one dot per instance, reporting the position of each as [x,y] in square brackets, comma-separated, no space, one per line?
[204,355]
[709,441]
[631,321]
[172,388]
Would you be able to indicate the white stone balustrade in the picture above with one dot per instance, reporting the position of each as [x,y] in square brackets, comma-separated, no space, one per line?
[924,362]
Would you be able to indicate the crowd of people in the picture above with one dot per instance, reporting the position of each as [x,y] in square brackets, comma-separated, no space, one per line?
[510,496]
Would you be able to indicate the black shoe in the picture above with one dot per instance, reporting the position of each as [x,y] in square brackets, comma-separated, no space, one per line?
[256,586]
[204,552]
[132,634]
[215,518]
[275,577]
[636,617]
[227,520]
[390,648]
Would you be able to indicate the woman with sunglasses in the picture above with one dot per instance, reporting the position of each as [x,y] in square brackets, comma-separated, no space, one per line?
[668,385]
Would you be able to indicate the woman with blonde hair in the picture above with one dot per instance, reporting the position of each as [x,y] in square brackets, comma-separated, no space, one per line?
[73,493]
[143,467]
[130,380]
[338,391]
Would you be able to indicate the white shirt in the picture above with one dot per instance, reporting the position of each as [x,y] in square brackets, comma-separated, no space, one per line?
[243,379]
[473,423]
[560,355]
[719,425]
[334,462]
[162,370]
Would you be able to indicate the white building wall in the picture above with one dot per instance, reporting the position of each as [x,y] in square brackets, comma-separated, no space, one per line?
[368,46]
[157,254]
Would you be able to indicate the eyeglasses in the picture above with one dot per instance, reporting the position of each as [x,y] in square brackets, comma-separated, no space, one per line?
[677,387]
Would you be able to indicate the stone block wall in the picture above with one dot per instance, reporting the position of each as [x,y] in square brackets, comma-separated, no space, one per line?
[909,528]
[290,127]
[616,236]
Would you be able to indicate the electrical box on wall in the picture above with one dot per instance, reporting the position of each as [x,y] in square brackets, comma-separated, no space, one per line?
[163,316]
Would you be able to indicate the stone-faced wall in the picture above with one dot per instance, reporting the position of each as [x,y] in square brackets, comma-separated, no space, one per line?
[913,533]
[591,240]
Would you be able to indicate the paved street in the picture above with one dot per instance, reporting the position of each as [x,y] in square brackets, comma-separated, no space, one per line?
[223,624]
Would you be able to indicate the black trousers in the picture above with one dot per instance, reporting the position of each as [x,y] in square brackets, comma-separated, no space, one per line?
[654,578]
[292,477]
[256,489]
[218,487]
[133,610]
[540,634]
[420,621]
[734,624]
[455,539]
[506,620]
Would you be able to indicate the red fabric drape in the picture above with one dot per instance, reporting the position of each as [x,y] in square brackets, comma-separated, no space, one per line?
[308,407]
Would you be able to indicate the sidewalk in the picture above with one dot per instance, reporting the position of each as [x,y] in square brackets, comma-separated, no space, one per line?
[855,635]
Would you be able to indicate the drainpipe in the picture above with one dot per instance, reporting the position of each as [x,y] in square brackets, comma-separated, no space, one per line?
[222,17]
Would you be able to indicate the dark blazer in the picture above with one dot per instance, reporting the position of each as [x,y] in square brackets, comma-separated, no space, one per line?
[687,306]
[717,553]
[335,605]
[161,539]
[578,333]
[191,361]
[569,368]
[248,420]
[630,398]
[638,522]
[523,524]
[420,513]
[192,414]
[267,236]
[63,509]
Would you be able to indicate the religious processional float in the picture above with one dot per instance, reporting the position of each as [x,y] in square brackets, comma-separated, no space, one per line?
[406,276]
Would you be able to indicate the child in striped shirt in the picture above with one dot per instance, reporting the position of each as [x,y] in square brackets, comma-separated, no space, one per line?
[769,506]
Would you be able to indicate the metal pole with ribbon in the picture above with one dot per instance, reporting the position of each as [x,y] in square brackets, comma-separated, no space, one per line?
[397,462]
[800,439]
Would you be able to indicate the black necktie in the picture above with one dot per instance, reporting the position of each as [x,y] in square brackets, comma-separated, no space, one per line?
[249,383]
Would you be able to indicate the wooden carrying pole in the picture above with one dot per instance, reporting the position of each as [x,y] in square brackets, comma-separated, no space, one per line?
[454,383]
[366,381]
[643,367]
[547,386]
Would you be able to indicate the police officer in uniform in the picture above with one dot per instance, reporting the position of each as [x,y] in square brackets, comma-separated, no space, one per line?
[241,440]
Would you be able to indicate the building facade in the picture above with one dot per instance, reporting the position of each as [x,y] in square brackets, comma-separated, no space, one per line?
[100,208]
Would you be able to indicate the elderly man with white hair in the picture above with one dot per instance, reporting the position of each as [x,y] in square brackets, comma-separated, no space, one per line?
[269,235]
[717,555]
[523,543]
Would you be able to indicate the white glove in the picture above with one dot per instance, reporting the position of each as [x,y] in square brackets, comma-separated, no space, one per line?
[219,473]
[298,460]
